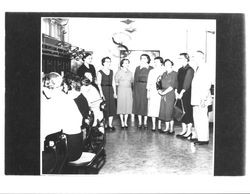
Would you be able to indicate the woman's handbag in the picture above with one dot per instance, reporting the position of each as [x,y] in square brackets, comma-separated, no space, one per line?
[178,113]
[158,83]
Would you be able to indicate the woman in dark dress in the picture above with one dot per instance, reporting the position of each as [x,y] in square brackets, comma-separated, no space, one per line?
[140,101]
[185,77]
[106,84]
[87,67]
[168,84]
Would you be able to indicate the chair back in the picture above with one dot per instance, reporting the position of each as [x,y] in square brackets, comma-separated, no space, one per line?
[55,153]
[74,146]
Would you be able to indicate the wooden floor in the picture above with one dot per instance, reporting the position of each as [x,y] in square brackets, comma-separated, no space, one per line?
[140,151]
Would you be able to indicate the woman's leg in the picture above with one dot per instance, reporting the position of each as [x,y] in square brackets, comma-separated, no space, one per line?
[139,120]
[159,124]
[122,122]
[132,117]
[171,125]
[167,126]
[126,120]
[184,128]
[110,121]
[153,123]
[189,128]
[145,120]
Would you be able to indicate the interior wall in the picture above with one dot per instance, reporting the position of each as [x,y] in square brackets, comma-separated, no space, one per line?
[170,36]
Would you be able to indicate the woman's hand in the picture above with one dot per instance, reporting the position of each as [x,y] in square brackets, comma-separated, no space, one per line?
[180,95]
[103,97]
[160,92]
[176,96]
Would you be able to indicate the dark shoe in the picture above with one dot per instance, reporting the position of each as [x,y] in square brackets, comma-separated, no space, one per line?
[154,130]
[187,136]
[192,139]
[139,126]
[145,126]
[126,127]
[164,131]
[180,135]
[122,127]
[112,128]
[170,132]
[201,142]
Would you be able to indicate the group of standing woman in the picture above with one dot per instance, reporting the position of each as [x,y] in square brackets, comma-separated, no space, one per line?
[150,100]
[139,94]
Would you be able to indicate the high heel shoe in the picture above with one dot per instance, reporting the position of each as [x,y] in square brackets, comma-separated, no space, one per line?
[201,142]
[164,131]
[126,126]
[193,139]
[170,132]
[180,135]
[122,126]
[187,136]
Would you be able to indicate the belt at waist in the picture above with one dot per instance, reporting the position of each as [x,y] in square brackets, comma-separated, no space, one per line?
[124,86]
[105,85]
[141,81]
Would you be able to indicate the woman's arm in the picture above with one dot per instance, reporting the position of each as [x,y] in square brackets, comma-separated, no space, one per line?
[94,75]
[114,86]
[176,93]
[149,84]
[187,82]
[164,92]
[117,78]
[99,80]
[188,79]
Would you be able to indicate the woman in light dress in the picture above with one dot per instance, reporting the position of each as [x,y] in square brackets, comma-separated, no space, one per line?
[124,80]
[154,99]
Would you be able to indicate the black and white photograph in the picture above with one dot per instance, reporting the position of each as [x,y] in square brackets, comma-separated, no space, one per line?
[127,95]
[124,100]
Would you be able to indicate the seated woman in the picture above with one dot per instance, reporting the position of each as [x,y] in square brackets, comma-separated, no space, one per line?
[58,111]
[72,87]
[93,97]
